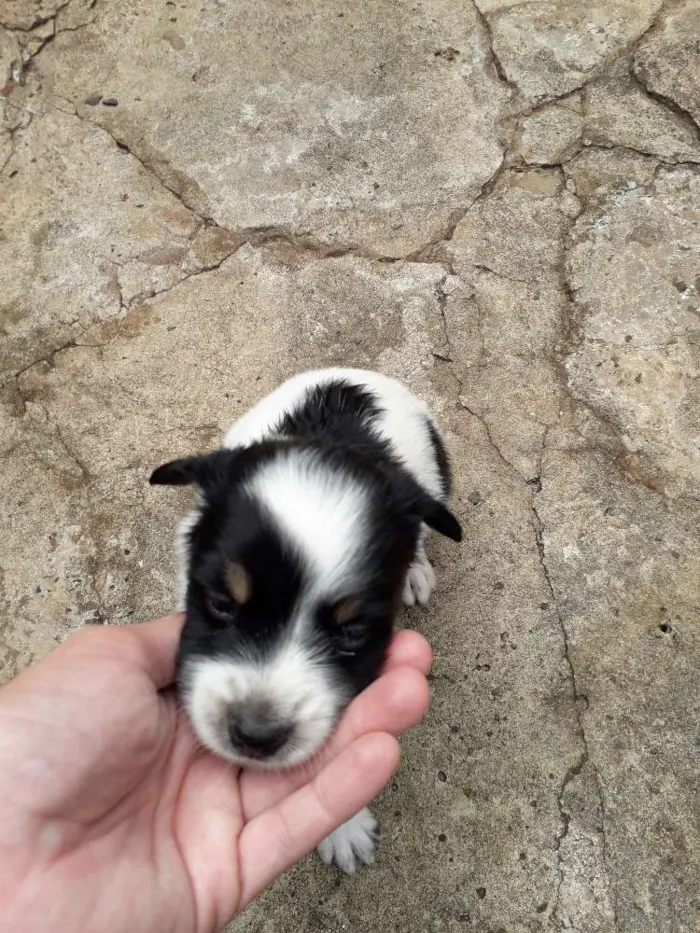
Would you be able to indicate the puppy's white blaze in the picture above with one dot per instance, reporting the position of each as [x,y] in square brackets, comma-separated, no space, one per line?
[298,688]
[401,422]
[322,513]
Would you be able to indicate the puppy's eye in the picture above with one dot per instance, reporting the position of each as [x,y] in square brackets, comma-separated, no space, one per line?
[220,609]
[344,611]
[238,583]
[351,637]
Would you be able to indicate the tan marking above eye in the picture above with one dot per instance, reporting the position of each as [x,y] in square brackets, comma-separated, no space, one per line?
[346,609]
[238,583]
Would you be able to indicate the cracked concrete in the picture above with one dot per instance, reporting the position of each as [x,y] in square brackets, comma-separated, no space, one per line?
[497,202]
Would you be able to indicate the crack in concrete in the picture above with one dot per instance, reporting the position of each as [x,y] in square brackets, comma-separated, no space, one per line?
[277,240]
[158,292]
[28,57]
[580,705]
[668,102]
[39,21]
[71,454]
[125,147]
[494,59]
[615,147]
[26,61]
[612,888]
[442,297]
[73,344]
[11,133]
[485,425]
[306,246]
[565,818]
[580,700]
[613,448]
[534,486]
[577,767]
[46,358]
[554,101]
[482,267]
[625,51]
[459,382]
[433,251]
[638,77]
[654,23]
[51,433]
[303,245]
[571,337]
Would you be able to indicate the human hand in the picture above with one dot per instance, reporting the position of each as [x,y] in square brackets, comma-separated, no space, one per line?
[112,818]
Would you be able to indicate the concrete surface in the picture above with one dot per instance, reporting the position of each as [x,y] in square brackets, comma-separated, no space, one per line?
[498,202]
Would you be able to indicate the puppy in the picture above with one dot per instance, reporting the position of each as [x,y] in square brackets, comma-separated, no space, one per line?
[309,533]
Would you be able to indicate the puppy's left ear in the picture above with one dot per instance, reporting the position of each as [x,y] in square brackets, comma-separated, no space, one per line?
[413,499]
[205,471]
[440,519]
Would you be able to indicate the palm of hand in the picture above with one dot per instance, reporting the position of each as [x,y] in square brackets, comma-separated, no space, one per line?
[111,801]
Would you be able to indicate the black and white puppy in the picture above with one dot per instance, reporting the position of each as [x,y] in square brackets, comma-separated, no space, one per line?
[309,533]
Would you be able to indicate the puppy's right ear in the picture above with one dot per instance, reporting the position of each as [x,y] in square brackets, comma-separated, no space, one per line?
[205,471]
[177,472]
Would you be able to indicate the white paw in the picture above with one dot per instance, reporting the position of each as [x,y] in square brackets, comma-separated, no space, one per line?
[352,844]
[420,580]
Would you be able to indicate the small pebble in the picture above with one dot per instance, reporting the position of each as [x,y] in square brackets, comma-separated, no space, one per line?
[93,100]
[442,776]
[110,102]
[475,497]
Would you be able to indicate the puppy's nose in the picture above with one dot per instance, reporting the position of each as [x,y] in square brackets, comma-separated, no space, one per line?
[255,735]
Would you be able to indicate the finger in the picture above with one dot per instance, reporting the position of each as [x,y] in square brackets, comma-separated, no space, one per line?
[157,644]
[409,649]
[150,646]
[392,704]
[281,835]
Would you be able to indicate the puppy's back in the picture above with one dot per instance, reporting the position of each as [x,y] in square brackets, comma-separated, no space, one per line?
[356,408]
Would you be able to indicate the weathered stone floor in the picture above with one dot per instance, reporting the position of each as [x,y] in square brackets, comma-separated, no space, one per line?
[498,202]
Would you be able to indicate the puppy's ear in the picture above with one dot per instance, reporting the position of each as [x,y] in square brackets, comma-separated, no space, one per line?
[177,472]
[206,471]
[412,499]
[440,519]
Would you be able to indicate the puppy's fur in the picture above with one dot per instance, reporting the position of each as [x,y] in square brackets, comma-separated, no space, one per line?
[309,533]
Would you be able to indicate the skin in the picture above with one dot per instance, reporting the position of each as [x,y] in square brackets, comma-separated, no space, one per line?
[112,818]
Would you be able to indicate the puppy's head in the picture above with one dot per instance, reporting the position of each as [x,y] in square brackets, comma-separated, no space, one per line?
[296,566]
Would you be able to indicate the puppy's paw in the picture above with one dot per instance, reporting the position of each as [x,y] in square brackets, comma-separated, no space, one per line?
[352,844]
[420,580]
